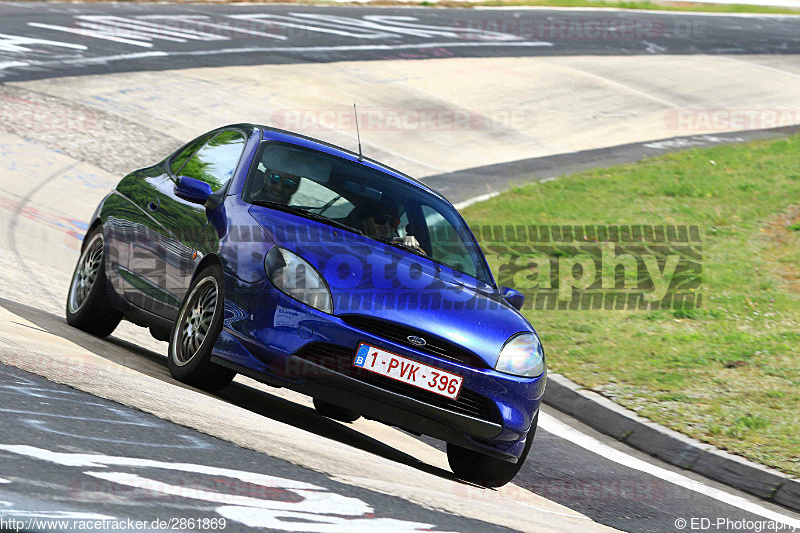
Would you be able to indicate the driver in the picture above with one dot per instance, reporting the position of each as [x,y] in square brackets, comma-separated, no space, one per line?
[382,223]
[278,186]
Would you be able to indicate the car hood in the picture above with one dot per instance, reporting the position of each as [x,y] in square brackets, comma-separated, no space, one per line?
[370,278]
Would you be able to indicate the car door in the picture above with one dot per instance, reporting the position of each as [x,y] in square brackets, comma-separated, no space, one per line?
[163,251]
[215,163]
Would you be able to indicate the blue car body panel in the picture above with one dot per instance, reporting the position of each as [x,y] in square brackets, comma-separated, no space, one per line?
[156,242]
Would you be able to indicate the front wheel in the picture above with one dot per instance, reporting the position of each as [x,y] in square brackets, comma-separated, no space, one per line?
[196,330]
[87,302]
[481,469]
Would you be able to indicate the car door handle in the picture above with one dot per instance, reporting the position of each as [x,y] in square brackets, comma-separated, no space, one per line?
[154,204]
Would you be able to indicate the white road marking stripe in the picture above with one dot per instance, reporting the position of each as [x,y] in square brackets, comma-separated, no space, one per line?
[89,33]
[12,64]
[194,19]
[392,24]
[101,60]
[482,198]
[2,480]
[361,47]
[12,43]
[560,429]
[759,65]
[127,33]
[149,27]
[622,86]
[289,22]
[397,22]
[64,515]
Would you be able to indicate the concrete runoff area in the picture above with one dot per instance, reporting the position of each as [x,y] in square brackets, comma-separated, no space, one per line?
[431,116]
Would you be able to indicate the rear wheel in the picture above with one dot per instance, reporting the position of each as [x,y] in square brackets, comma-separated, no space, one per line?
[335,412]
[87,302]
[196,330]
[481,469]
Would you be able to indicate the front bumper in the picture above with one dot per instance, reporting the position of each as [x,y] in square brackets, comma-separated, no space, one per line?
[291,345]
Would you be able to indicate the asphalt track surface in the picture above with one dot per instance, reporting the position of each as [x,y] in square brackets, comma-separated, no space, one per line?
[40,41]
[46,40]
[466,186]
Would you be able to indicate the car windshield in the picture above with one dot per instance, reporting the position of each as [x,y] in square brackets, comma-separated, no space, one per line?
[365,200]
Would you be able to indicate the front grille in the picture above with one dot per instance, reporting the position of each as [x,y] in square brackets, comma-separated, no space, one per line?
[340,359]
[436,346]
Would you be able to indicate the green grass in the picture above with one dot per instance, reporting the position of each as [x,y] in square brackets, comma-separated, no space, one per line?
[727,373]
[626,4]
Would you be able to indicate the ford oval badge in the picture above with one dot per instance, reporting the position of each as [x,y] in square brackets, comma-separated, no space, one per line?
[417,341]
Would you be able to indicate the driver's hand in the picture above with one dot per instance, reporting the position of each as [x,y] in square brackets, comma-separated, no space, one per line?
[411,242]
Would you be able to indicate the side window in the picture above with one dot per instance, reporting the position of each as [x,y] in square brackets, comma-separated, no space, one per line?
[446,245]
[180,158]
[216,162]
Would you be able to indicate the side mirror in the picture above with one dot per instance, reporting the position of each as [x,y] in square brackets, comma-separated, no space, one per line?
[515,298]
[192,190]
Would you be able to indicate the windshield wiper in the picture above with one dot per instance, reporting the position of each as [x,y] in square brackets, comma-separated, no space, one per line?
[402,246]
[307,214]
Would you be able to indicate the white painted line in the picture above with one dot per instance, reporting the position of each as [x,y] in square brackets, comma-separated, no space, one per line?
[107,59]
[90,33]
[64,515]
[321,27]
[142,34]
[157,29]
[195,19]
[2,480]
[405,26]
[361,47]
[560,429]
[622,86]
[759,65]
[101,60]
[482,198]
[12,64]
[12,43]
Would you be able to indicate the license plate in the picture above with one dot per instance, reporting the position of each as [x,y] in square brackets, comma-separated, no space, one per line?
[408,371]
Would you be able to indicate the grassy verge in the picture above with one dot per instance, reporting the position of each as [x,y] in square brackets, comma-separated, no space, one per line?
[625,4]
[728,373]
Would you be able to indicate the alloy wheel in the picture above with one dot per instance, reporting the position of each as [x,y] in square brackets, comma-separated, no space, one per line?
[195,320]
[86,273]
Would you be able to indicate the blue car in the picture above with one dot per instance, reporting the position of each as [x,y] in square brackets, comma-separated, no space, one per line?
[300,264]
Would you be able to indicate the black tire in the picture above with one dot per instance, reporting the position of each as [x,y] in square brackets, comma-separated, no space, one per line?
[195,331]
[335,412]
[481,469]
[87,301]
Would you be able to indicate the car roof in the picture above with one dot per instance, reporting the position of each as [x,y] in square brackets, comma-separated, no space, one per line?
[276,134]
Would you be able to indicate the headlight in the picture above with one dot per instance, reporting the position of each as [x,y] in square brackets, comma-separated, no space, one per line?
[522,356]
[297,278]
